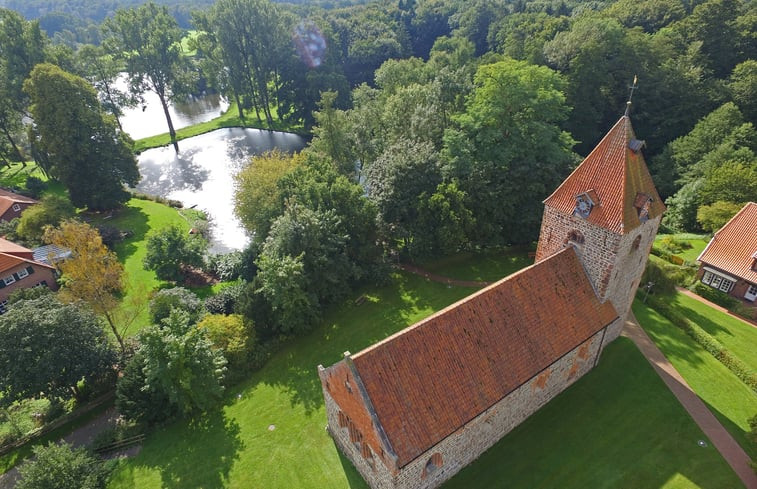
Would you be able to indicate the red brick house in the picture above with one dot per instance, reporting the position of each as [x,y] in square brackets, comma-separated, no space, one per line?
[19,270]
[12,204]
[415,408]
[729,261]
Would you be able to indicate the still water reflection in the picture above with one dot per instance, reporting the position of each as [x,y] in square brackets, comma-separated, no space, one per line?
[148,118]
[202,174]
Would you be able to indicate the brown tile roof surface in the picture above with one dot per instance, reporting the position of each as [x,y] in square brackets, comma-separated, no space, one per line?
[430,379]
[12,248]
[16,197]
[732,248]
[617,174]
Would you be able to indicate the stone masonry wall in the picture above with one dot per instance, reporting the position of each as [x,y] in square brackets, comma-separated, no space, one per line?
[614,262]
[465,445]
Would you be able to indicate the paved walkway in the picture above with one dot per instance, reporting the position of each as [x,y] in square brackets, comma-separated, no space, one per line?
[81,436]
[720,438]
[715,306]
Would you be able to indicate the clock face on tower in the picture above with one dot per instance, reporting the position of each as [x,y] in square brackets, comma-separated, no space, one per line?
[583,207]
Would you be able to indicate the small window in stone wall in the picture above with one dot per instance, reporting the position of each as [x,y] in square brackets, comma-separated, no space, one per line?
[575,237]
[432,465]
[636,243]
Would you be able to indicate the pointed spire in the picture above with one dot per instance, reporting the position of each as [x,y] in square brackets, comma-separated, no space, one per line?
[630,95]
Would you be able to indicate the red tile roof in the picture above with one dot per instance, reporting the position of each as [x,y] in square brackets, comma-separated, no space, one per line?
[430,379]
[12,255]
[12,196]
[12,248]
[732,249]
[617,175]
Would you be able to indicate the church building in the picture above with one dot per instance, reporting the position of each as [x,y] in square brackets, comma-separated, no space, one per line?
[415,408]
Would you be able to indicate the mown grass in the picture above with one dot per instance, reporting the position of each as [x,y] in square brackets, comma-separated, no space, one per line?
[230,118]
[617,427]
[739,337]
[139,217]
[697,241]
[487,266]
[729,399]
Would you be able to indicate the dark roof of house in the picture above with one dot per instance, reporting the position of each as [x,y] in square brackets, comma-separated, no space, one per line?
[732,249]
[430,379]
[49,254]
[618,176]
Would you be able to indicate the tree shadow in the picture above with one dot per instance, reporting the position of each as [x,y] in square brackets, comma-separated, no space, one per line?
[134,221]
[209,447]
[367,316]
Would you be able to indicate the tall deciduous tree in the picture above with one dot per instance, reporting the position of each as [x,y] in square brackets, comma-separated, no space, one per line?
[47,347]
[59,466]
[169,249]
[102,70]
[92,274]
[257,198]
[180,362]
[148,40]
[81,145]
[508,152]
[22,46]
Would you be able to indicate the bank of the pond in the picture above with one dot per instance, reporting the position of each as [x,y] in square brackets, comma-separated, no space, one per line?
[230,118]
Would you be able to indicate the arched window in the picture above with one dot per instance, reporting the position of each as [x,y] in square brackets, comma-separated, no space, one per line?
[575,237]
[433,464]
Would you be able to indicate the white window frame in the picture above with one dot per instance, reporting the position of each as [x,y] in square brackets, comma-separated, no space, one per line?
[751,292]
[726,285]
[22,273]
[9,280]
[16,207]
[707,277]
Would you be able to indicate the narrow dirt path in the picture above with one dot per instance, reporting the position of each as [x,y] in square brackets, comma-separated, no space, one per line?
[720,438]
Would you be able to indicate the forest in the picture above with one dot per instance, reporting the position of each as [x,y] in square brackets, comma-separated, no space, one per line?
[438,126]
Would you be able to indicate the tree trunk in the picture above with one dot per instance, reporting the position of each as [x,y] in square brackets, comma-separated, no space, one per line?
[171,130]
[239,105]
[13,144]
[113,328]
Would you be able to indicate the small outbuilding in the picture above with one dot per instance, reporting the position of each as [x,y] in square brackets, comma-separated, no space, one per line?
[729,261]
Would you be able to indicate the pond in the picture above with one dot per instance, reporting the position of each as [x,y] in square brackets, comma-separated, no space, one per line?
[202,174]
[148,118]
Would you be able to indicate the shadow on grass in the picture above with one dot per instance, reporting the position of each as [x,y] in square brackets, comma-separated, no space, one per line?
[619,426]
[352,327]
[130,219]
[354,479]
[209,448]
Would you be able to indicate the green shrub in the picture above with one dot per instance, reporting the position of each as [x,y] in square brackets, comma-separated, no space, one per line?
[741,310]
[714,295]
[673,245]
[166,300]
[156,198]
[226,267]
[35,186]
[710,344]
[225,300]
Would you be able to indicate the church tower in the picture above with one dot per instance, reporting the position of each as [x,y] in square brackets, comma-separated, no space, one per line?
[608,209]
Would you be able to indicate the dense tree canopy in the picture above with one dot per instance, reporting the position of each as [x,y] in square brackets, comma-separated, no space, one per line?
[60,466]
[77,142]
[47,348]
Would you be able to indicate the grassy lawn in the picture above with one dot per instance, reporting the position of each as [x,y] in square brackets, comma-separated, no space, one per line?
[739,337]
[697,242]
[140,217]
[230,118]
[15,175]
[488,266]
[618,427]
[729,399]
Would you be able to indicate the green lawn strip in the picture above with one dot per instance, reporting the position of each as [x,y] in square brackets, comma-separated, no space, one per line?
[15,175]
[14,457]
[729,399]
[488,266]
[230,118]
[739,337]
[697,241]
[140,217]
[234,448]
[619,426]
